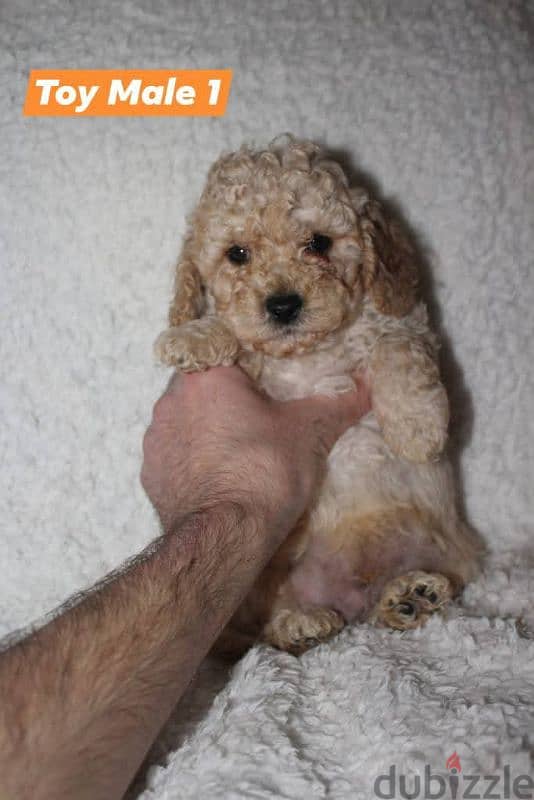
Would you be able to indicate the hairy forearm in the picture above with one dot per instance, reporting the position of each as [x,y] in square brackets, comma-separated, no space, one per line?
[82,699]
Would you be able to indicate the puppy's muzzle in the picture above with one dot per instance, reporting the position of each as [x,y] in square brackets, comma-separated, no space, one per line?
[284,308]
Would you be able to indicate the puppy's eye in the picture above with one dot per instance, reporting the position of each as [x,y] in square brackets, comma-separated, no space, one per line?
[319,244]
[238,255]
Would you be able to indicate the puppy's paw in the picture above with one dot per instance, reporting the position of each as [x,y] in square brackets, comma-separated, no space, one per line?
[420,436]
[410,600]
[298,631]
[197,345]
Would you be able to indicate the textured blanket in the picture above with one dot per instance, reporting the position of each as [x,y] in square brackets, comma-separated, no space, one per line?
[434,103]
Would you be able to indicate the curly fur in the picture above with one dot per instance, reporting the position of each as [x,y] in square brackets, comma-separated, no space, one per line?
[387,507]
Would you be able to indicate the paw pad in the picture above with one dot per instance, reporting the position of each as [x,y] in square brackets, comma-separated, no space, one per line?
[409,600]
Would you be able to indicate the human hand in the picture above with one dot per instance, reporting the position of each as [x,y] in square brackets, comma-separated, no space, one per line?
[215,438]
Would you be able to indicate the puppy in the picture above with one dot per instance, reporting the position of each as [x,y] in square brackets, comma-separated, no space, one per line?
[298,277]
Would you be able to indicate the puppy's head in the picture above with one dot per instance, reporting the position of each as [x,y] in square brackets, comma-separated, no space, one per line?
[284,251]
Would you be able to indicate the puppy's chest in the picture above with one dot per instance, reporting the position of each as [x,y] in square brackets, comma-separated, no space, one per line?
[327,370]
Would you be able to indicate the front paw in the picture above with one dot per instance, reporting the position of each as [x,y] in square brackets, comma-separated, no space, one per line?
[197,345]
[419,436]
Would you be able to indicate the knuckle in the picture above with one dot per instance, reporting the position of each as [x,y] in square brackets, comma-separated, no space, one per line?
[147,439]
[164,409]
[142,477]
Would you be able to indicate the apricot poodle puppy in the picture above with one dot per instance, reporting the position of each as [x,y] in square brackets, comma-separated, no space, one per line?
[298,277]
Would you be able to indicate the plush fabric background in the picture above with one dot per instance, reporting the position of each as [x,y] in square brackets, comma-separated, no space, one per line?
[434,103]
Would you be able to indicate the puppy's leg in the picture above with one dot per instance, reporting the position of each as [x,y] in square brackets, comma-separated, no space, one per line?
[409,600]
[197,345]
[296,631]
[409,400]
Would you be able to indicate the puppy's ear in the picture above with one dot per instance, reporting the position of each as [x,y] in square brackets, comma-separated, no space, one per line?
[390,273]
[188,301]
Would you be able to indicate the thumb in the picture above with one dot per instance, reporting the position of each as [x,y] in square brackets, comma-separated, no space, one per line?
[331,416]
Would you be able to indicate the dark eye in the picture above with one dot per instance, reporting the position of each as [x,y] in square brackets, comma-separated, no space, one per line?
[237,254]
[319,244]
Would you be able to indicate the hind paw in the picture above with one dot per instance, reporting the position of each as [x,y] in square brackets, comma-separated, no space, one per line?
[410,600]
[298,631]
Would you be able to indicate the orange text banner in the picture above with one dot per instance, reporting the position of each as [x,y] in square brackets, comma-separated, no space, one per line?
[130,92]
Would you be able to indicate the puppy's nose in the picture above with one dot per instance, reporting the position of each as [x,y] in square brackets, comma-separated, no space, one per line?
[284,308]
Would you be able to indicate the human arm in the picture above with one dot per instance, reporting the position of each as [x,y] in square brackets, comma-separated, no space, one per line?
[82,699]
[229,472]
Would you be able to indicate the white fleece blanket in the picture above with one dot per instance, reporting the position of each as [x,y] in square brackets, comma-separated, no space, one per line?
[434,102]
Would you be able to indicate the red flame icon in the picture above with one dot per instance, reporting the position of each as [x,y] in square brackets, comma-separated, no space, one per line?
[453,762]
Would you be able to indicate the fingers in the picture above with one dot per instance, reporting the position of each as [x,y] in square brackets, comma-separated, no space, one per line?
[348,408]
[197,388]
[174,383]
[214,376]
[339,413]
[331,416]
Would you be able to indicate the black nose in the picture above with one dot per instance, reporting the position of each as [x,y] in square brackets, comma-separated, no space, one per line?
[284,308]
